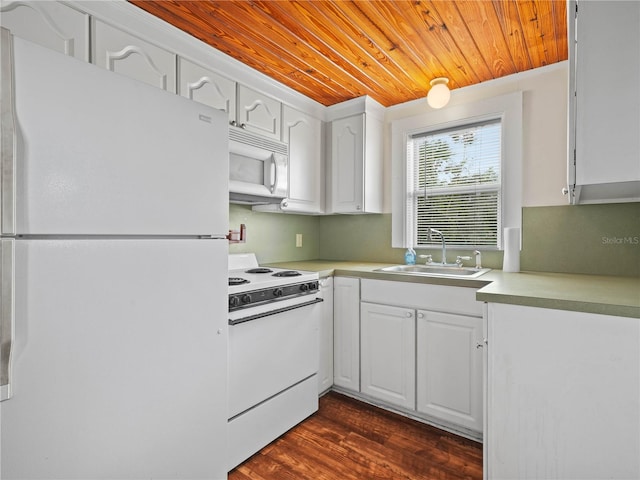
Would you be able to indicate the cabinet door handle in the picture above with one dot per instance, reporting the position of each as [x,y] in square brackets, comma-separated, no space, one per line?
[421,315]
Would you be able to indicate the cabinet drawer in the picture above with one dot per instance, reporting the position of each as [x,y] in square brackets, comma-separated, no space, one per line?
[439,298]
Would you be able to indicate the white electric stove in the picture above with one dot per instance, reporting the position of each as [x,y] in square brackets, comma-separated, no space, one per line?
[274,318]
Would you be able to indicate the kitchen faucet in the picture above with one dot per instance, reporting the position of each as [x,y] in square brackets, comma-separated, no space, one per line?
[444,245]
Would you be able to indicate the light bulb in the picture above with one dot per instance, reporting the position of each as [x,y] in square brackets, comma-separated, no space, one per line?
[439,94]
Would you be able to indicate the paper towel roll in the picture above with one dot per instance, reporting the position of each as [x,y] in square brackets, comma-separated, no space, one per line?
[511,262]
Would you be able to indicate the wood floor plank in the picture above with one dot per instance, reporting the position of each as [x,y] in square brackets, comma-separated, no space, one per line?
[351,440]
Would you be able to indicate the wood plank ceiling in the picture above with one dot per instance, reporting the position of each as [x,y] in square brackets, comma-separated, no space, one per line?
[336,50]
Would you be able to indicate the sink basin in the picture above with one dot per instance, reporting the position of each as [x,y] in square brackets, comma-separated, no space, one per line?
[435,270]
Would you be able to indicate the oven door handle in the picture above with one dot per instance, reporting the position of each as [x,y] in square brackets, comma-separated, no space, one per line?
[274,312]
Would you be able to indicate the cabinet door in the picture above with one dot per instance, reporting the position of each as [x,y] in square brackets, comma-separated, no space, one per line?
[607,98]
[388,357]
[49,24]
[325,373]
[449,368]
[346,333]
[123,53]
[347,164]
[258,113]
[563,394]
[206,86]
[303,133]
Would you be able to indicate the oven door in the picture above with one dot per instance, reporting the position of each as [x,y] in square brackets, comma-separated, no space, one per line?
[271,348]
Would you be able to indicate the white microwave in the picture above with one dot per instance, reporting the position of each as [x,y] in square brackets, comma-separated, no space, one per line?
[258,168]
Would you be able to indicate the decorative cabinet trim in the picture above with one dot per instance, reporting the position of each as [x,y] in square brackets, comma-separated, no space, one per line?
[258,113]
[49,24]
[203,85]
[121,52]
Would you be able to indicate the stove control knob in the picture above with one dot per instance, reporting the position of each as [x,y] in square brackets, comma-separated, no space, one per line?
[304,287]
[313,286]
[234,301]
[246,298]
[277,292]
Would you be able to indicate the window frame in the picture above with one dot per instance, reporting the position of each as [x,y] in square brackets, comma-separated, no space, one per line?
[414,194]
[508,108]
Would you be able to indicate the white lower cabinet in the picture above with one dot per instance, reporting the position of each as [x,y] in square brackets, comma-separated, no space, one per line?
[346,333]
[563,394]
[420,350]
[449,368]
[325,372]
[388,353]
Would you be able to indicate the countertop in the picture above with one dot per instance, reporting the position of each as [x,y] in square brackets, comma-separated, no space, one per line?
[619,296]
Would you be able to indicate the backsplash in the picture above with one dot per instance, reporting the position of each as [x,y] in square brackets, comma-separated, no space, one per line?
[601,239]
[589,239]
[272,236]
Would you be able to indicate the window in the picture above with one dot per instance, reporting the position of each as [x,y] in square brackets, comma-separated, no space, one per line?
[458,170]
[454,177]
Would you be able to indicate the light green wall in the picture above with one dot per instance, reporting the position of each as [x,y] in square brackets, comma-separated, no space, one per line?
[272,236]
[589,239]
[367,238]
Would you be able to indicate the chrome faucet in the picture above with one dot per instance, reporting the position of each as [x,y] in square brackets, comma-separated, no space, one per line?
[444,245]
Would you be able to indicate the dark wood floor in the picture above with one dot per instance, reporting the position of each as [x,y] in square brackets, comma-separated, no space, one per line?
[347,439]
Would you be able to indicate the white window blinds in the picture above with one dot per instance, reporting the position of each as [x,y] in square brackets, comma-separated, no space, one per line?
[454,178]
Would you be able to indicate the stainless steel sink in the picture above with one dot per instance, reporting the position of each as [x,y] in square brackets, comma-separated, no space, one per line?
[452,271]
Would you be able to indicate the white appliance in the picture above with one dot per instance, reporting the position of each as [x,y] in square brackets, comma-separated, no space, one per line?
[274,322]
[258,168]
[114,275]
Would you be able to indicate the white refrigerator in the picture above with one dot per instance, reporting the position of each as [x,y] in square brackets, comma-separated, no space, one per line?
[114,275]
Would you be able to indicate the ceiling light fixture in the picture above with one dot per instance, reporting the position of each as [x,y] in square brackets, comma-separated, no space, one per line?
[439,94]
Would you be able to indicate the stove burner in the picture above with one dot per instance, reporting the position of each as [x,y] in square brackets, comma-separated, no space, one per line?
[259,270]
[237,281]
[287,273]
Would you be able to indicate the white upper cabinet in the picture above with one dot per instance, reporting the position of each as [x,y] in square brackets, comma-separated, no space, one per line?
[49,24]
[123,53]
[303,133]
[206,86]
[356,159]
[258,113]
[347,162]
[604,111]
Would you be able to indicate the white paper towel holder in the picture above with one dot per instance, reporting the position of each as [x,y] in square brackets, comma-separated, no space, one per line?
[511,260]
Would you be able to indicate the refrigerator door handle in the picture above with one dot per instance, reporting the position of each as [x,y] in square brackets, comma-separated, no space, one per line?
[7,278]
[7,136]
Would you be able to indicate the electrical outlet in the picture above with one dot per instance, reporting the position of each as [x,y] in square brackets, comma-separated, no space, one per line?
[298,240]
